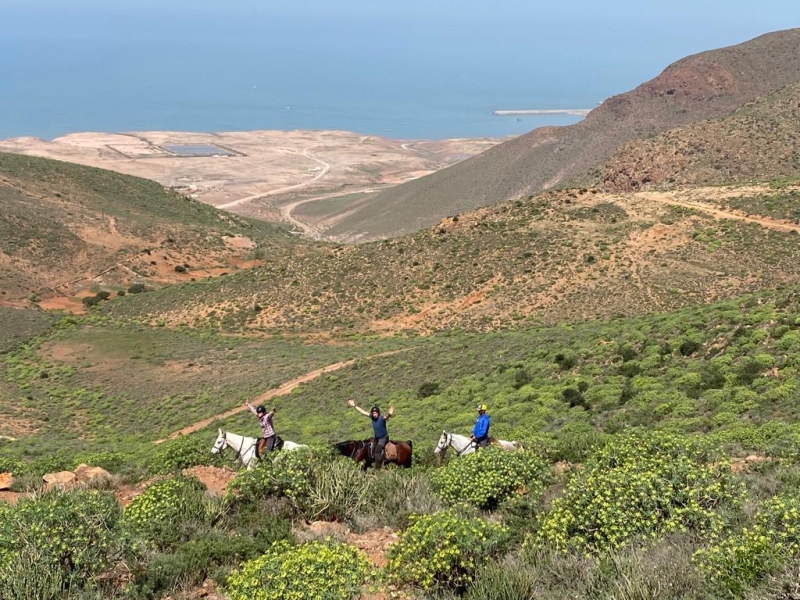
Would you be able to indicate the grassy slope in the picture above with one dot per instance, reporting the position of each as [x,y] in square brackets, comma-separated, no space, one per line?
[705,86]
[59,221]
[758,141]
[555,257]
[95,383]
[729,368]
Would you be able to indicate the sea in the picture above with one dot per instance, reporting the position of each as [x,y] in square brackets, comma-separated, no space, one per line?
[203,65]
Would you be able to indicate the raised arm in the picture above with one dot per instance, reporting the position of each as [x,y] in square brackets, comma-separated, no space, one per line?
[389,413]
[252,409]
[358,408]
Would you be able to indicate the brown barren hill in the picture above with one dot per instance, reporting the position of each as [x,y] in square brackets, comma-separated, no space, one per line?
[66,228]
[761,140]
[704,86]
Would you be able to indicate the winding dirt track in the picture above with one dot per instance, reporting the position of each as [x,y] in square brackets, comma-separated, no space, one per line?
[325,168]
[280,391]
[719,213]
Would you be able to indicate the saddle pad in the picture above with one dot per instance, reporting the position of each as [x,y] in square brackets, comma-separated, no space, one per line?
[391,451]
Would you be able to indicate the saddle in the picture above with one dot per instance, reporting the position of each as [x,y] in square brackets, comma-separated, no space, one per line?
[261,445]
[390,451]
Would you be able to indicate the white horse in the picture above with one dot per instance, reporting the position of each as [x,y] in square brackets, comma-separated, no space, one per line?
[464,445]
[245,447]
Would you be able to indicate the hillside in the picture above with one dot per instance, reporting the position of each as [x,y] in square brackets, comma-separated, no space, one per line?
[65,228]
[556,257]
[758,141]
[705,86]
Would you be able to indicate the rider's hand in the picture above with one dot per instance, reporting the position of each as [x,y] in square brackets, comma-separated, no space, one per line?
[273,409]
[351,403]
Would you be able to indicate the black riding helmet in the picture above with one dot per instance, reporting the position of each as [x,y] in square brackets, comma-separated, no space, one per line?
[261,410]
[374,409]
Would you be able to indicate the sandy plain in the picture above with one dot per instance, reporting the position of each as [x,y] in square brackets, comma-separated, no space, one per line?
[263,174]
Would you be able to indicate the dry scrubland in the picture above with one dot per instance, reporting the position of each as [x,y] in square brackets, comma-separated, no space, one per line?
[640,339]
[552,258]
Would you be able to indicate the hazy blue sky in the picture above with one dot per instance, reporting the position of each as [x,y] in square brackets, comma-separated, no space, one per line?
[369,65]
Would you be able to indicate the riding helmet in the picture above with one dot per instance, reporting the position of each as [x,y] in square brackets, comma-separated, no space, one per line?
[261,410]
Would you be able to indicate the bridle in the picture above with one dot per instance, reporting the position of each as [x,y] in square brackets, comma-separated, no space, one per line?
[448,442]
[226,444]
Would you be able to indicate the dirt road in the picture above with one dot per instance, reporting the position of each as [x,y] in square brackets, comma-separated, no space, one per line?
[325,168]
[719,213]
[280,391]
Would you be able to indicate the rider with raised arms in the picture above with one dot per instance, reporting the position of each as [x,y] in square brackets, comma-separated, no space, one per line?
[480,432]
[267,442]
[380,435]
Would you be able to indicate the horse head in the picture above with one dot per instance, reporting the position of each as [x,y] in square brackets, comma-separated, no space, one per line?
[444,442]
[345,448]
[219,445]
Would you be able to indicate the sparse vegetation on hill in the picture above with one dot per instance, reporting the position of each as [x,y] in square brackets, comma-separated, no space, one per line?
[61,223]
[556,257]
[709,85]
[759,141]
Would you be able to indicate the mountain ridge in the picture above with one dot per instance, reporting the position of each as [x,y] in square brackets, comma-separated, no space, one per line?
[703,86]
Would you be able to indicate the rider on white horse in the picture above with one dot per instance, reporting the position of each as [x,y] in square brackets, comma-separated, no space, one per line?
[480,432]
[267,442]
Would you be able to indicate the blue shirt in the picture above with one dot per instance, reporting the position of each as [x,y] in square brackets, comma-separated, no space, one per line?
[379,427]
[481,429]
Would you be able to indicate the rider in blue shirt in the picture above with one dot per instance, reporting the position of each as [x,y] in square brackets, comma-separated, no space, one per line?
[380,435]
[480,432]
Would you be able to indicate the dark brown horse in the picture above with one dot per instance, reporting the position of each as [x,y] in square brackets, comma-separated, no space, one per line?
[362,451]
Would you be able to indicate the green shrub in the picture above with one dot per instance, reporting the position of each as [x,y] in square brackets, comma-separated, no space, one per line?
[317,484]
[159,513]
[199,558]
[338,492]
[396,495]
[489,477]
[640,485]
[742,559]
[29,576]
[325,570]
[444,550]
[181,453]
[74,533]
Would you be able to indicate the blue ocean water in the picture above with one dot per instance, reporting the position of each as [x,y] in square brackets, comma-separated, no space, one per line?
[88,65]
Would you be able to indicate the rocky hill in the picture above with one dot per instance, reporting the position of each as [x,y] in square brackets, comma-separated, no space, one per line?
[65,228]
[758,141]
[705,86]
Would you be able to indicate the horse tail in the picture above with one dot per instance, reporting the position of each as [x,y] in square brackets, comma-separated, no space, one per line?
[410,453]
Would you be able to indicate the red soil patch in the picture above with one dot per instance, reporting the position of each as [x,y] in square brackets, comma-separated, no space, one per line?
[10,497]
[215,479]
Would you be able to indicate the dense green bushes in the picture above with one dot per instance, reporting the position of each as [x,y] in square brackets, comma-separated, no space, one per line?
[313,570]
[157,515]
[444,550]
[487,478]
[60,539]
[742,559]
[640,485]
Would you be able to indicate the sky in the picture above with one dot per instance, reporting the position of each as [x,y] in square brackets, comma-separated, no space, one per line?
[64,64]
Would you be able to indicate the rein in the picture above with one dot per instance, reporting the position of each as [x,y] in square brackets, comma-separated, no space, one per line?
[238,451]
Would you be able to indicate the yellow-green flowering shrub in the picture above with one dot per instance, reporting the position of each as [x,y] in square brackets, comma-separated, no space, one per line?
[741,559]
[279,474]
[639,485]
[324,570]
[443,550]
[157,514]
[76,532]
[489,477]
